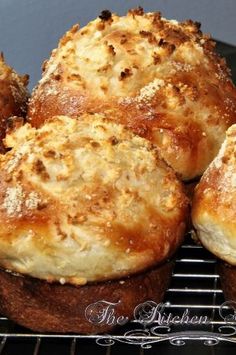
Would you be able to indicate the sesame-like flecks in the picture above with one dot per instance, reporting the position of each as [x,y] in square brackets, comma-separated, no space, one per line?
[13,200]
[32,201]
[148,91]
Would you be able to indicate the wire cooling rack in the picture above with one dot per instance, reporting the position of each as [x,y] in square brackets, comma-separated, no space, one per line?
[195,286]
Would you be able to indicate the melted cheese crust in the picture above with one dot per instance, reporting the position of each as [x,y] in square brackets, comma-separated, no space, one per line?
[86,200]
[160,78]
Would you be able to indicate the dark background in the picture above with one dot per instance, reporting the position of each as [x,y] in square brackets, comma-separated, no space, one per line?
[30,29]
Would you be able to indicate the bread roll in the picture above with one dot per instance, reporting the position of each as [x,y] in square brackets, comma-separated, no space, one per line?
[86,200]
[161,78]
[13,96]
[214,203]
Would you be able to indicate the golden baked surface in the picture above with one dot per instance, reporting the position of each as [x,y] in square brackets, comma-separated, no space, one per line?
[214,204]
[86,200]
[13,96]
[160,78]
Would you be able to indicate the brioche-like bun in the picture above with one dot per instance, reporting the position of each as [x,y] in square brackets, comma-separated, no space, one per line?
[214,203]
[161,78]
[13,96]
[86,200]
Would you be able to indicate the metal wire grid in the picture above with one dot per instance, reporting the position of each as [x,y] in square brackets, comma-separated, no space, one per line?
[194,286]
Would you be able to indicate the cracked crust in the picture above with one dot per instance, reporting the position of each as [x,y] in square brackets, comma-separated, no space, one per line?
[13,96]
[86,200]
[161,78]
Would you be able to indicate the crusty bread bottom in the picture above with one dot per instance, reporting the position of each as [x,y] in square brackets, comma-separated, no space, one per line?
[228,279]
[52,307]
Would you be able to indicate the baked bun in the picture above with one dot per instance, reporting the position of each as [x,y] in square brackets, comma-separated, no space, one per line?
[160,78]
[13,96]
[214,203]
[86,200]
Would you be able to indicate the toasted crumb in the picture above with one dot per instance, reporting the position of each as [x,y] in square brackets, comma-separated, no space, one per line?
[13,201]
[148,91]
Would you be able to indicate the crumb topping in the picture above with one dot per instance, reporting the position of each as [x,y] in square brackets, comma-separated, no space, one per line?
[148,91]
[12,163]
[16,199]
[148,73]
[116,201]
[13,200]
[33,200]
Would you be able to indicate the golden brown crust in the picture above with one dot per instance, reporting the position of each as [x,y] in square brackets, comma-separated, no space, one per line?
[86,200]
[13,96]
[228,280]
[189,188]
[179,94]
[51,307]
[214,206]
